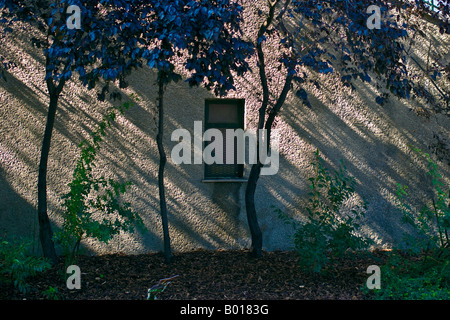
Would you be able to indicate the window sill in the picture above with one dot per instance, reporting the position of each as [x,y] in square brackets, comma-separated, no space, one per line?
[214,180]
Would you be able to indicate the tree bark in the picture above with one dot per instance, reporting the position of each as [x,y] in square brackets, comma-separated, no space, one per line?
[256,249]
[162,163]
[252,218]
[45,228]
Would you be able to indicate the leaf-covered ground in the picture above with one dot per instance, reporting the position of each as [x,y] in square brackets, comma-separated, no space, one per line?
[205,275]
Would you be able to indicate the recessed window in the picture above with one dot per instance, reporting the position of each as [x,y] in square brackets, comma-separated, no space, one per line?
[223,114]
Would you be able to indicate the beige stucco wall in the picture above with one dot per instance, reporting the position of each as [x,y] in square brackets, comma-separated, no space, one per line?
[371,139]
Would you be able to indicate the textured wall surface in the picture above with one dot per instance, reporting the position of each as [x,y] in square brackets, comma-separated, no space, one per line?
[372,141]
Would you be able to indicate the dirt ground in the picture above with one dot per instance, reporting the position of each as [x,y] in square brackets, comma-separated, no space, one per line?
[204,275]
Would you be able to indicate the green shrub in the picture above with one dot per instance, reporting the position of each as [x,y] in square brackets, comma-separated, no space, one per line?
[421,271]
[51,293]
[406,277]
[17,266]
[93,206]
[328,230]
[432,222]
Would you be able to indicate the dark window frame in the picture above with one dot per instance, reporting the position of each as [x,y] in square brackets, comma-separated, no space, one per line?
[240,104]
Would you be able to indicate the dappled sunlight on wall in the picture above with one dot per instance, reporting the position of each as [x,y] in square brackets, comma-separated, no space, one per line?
[343,124]
[372,140]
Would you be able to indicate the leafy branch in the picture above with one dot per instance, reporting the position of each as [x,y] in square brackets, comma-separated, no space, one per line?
[327,229]
[92,203]
[433,221]
[16,266]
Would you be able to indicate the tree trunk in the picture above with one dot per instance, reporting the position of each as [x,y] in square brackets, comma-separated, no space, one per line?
[45,228]
[255,172]
[252,218]
[162,164]
[256,249]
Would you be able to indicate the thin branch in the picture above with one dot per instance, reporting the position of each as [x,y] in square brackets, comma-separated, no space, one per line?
[262,64]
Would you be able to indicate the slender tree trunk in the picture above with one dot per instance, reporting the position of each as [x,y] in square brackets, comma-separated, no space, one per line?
[162,164]
[45,228]
[252,218]
[255,172]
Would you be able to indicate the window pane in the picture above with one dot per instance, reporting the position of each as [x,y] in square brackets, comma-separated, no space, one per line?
[223,113]
[223,171]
